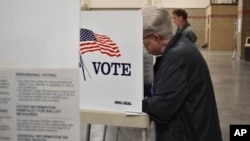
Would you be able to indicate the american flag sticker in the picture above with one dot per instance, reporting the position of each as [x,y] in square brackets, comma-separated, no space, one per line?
[91,42]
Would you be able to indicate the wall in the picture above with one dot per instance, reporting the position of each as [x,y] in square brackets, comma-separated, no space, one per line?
[115,3]
[142,3]
[195,8]
[220,26]
[183,3]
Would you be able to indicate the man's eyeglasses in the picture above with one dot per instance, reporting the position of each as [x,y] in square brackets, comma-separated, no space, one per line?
[147,36]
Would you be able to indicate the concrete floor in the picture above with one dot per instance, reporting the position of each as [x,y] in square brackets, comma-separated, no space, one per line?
[231,79]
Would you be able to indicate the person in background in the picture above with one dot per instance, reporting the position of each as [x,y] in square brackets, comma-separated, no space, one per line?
[181,102]
[179,17]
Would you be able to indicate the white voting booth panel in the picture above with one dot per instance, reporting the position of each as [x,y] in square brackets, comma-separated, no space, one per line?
[111,72]
[39,33]
[39,70]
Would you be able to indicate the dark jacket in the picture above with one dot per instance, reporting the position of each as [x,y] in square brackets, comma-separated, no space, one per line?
[187,31]
[183,103]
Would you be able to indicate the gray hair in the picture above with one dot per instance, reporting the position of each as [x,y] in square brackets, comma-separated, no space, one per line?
[156,20]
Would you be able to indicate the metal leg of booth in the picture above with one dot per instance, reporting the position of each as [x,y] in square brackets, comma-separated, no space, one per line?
[88,132]
[117,133]
[144,134]
[104,132]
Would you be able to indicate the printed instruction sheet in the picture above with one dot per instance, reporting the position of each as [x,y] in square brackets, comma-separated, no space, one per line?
[39,105]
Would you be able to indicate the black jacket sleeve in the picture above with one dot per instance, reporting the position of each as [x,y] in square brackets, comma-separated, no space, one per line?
[170,92]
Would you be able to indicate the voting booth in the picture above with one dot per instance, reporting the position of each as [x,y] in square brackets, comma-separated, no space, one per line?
[111,61]
[113,69]
[47,71]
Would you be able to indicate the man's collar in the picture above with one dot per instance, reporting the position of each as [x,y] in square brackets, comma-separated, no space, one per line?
[172,42]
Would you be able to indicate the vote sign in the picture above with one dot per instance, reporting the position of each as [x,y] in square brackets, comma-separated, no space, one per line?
[111,61]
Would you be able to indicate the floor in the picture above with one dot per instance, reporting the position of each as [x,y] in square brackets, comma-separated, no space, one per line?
[231,79]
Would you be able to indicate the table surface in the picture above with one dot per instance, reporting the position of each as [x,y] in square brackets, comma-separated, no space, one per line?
[114,118]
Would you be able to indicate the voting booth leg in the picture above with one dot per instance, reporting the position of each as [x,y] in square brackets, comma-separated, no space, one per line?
[144,134]
[88,132]
[104,133]
[117,133]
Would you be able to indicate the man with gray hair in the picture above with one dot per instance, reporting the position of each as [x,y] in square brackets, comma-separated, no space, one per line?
[181,102]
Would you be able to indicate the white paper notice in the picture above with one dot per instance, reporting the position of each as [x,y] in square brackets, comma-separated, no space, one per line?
[39,105]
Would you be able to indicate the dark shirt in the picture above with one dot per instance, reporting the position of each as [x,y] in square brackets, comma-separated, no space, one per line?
[187,31]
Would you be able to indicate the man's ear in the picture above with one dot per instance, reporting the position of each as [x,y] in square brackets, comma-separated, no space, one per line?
[156,37]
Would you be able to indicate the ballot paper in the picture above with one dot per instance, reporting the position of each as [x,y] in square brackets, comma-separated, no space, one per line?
[133,113]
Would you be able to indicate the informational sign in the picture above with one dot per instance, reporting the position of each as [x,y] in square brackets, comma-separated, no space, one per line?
[39,70]
[111,61]
[36,105]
